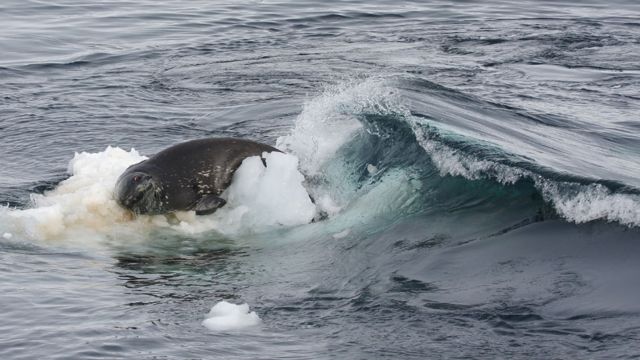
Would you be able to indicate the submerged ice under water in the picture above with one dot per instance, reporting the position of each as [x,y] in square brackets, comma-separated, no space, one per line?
[475,167]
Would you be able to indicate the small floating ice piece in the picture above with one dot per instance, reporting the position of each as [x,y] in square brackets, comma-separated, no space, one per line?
[227,316]
[7,235]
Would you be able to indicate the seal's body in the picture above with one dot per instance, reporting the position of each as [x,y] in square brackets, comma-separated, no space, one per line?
[186,176]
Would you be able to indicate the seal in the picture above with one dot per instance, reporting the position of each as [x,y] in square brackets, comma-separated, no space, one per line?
[186,176]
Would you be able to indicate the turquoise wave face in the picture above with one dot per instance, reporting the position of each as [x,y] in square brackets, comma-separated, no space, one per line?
[455,159]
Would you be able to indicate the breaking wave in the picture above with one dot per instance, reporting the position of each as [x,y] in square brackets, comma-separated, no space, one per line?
[365,156]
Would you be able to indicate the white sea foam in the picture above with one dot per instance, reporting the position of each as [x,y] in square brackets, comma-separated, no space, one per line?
[577,203]
[591,202]
[225,316]
[452,162]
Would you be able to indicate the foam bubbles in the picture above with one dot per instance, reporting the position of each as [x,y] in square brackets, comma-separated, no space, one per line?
[591,202]
[575,202]
[225,316]
[450,161]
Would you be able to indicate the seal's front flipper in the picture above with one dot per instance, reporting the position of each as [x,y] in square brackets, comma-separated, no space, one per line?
[208,204]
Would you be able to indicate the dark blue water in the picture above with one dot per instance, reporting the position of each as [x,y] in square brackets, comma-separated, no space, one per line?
[483,159]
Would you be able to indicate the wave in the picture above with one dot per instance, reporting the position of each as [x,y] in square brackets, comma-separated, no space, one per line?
[574,201]
[368,161]
[335,123]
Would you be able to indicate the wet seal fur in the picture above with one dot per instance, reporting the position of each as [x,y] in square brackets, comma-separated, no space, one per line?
[186,176]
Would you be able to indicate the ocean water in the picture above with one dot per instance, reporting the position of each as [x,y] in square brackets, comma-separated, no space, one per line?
[477,165]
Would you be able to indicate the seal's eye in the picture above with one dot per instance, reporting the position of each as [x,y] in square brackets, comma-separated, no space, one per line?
[136,178]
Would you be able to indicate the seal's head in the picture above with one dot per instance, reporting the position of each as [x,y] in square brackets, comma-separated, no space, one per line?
[139,192]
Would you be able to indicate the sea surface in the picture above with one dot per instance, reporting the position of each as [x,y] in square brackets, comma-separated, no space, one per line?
[475,167]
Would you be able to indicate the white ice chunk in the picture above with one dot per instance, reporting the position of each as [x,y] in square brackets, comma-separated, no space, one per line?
[225,316]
